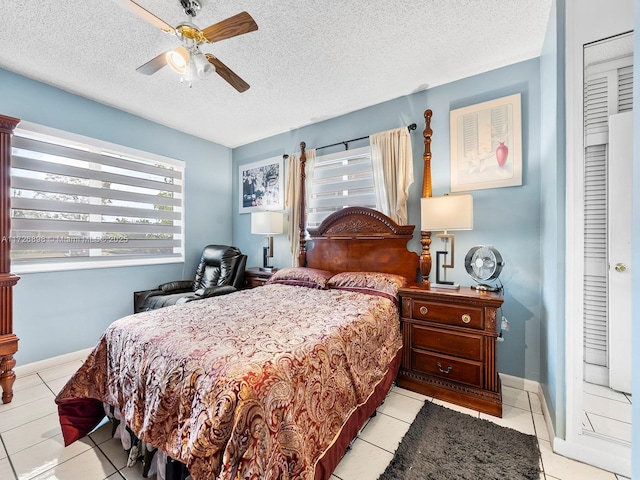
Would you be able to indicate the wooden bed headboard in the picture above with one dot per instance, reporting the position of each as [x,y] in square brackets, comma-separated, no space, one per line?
[359,239]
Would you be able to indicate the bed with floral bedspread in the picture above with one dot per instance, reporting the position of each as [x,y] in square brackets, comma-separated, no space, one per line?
[258,384]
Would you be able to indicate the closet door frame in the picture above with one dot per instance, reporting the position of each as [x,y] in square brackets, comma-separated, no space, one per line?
[583,26]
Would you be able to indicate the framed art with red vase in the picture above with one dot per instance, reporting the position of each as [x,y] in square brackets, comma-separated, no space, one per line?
[486,145]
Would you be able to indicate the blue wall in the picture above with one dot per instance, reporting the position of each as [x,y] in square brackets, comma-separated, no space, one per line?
[508,218]
[61,312]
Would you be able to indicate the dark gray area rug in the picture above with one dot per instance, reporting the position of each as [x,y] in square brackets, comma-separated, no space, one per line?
[443,444]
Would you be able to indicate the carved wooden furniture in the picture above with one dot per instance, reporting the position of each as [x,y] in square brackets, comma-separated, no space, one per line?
[425,237]
[256,277]
[8,340]
[302,221]
[357,239]
[449,339]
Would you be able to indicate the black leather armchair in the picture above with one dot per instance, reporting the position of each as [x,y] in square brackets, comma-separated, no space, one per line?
[220,271]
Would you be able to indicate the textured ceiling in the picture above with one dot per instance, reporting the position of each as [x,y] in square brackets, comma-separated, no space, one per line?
[307,62]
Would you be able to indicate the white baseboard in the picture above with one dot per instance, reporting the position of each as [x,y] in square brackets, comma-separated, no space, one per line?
[596,452]
[31,368]
[547,416]
[519,383]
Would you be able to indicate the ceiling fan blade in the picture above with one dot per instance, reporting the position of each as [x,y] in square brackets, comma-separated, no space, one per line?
[225,72]
[145,15]
[231,27]
[153,65]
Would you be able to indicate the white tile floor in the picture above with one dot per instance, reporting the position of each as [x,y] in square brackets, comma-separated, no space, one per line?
[31,445]
[606,412]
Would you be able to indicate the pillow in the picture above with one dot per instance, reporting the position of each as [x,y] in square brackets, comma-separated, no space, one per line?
[301,277]
[374,283]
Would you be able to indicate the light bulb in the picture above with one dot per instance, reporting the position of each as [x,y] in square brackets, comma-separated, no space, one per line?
[178,60]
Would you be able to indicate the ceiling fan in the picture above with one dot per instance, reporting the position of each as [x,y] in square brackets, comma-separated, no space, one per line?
[187,60]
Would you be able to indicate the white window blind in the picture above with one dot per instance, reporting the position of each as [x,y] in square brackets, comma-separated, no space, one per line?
[343,179]
[608,90]
[81,203]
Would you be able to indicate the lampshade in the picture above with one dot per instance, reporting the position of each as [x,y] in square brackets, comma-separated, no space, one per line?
[449,212]
[178,60]
[267,222]
[202,65]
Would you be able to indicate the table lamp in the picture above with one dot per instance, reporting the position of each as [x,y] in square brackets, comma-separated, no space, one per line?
[446,213]
[267,223]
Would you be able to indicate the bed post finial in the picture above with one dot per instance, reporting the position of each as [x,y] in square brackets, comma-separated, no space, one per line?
[302,256]
[425,237]
[426,179]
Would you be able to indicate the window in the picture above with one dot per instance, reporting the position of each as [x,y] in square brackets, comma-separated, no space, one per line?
[340,180]
[77,202]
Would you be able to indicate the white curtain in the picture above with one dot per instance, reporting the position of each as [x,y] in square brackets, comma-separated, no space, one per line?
[392,162]
[293,196]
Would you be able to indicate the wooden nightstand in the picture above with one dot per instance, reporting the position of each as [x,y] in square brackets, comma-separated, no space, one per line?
[449,339]
[255,277]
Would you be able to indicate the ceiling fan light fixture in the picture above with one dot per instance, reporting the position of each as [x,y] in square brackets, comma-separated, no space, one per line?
[190,74]
[203,67]
[187,60]
[178,60]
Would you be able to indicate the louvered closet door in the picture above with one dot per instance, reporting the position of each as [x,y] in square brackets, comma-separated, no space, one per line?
[608,90]
[620,220]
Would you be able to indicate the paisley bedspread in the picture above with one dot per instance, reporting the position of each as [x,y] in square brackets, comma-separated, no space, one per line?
[253,385]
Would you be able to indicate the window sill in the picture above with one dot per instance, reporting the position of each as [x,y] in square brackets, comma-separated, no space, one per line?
[91,265]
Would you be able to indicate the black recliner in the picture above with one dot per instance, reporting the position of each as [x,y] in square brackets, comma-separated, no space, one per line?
[220,271]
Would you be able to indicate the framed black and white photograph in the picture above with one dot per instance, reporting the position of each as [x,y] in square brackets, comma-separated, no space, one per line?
[262,185]
[486,145]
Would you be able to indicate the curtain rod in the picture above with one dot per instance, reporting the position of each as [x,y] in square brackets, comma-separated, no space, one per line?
[346,143]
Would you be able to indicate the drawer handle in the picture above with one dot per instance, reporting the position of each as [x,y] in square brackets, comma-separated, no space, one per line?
[424,310]
[466,318]
[442,370]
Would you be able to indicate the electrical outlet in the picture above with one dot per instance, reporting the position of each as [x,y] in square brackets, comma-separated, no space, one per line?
[505,324]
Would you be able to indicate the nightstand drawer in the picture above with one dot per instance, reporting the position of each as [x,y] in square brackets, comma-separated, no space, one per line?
[455,370]
[450,343]
[256,277]
[468,317]
[252,282]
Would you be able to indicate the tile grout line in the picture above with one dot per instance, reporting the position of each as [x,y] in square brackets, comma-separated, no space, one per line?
[106,456]
[13,469]
[381,448]
[390,416]
[535,432]
[26,423]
